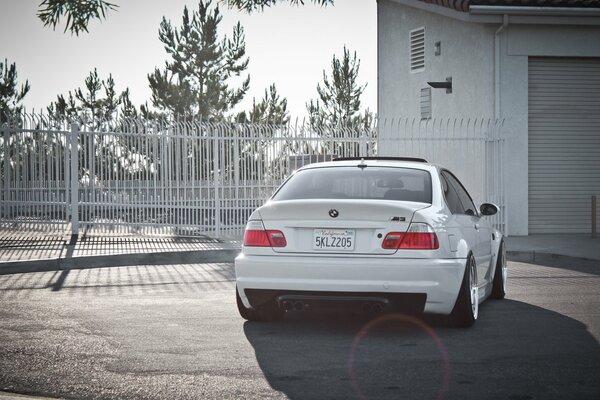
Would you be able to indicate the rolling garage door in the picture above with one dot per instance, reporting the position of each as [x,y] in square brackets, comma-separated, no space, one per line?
[564,143]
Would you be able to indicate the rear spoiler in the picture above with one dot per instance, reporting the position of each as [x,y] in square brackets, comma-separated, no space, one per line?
[413,159]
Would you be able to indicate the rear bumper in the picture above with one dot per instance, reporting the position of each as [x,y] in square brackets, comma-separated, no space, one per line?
[269,277]
[409,303]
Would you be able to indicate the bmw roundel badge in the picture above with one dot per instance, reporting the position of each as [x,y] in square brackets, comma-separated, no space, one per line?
[333,213]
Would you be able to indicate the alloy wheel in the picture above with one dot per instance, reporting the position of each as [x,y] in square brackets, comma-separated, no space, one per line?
[474,290]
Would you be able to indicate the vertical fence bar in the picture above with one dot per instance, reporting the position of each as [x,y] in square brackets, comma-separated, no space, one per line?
[217,199]
[6,177]
[74,181]
[594,217]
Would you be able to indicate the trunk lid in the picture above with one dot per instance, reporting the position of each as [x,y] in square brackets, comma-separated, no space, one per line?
[365,222]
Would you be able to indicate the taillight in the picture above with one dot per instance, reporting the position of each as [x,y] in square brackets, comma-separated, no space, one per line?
[419,236]
[392,240]
[277,238]
[256,238]
[264,238]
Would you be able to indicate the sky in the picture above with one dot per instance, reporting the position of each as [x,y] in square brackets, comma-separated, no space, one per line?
[289,46]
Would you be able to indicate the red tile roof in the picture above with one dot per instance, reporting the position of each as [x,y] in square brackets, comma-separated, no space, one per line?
[463,5]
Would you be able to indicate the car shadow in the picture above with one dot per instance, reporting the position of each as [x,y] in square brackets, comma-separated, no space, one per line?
[515,351]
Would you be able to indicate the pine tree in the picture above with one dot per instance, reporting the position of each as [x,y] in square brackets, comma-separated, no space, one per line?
[78,13]
[260,5]
[97,104]
[338,105]
[271,109]
[98,107]
[339,97]
[197,79]
[11,95]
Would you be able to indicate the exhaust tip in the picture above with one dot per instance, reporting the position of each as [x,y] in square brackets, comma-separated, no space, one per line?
[287,305]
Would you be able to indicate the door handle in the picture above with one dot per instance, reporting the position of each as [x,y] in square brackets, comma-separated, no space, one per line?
[476,227]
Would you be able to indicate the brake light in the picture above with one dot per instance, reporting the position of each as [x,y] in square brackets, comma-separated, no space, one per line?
[420,241]
[419,236]
[263,238]
[277,238]
[256,238]
[392,240]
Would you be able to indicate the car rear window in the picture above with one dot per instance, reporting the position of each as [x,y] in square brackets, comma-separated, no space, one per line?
[373,183]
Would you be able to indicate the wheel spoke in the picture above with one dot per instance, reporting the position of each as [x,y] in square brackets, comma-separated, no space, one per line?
[504,269]
[474,289]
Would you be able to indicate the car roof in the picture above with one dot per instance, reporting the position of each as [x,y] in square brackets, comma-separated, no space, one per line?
[373,163]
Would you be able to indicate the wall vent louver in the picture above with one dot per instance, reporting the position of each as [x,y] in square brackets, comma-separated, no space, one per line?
[417,50]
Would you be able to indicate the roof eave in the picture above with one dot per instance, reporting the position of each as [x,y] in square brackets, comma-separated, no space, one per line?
[535,11]
[518,15]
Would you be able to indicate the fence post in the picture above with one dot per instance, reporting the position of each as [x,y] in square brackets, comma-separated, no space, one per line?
[216,183]
[594,217]
[5,199]
[74,181]
[363,143]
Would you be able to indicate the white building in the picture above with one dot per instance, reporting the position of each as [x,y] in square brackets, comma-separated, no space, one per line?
[535,63]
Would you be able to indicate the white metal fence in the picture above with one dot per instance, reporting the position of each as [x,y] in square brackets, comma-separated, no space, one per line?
[199,177]
[134,176]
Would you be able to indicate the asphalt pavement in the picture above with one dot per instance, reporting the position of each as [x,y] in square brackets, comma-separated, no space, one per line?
[173,332]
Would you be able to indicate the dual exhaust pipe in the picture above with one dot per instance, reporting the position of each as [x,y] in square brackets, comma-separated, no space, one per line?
[372,308]
[289,305]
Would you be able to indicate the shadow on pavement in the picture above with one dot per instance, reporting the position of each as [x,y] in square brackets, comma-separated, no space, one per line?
[143,279]
[515,351]
[18,245]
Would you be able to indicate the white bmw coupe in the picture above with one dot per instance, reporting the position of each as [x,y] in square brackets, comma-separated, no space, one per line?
[374,234]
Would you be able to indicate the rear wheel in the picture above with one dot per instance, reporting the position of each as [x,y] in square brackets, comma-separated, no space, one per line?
[264,313]
[466,309]
[500,275]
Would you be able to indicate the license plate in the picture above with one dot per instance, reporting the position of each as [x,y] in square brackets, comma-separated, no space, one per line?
[333,239]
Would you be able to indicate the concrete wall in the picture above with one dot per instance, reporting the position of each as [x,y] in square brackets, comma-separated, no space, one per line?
[468,56]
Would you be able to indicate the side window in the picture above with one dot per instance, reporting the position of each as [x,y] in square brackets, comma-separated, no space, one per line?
[467,204]
[451,196]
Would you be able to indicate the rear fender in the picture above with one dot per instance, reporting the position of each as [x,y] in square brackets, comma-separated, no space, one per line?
[463,250]
[498,238]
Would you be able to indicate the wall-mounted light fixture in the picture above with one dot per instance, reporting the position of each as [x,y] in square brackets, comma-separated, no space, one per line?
[442,85]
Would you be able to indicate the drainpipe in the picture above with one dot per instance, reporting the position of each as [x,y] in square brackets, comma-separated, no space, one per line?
[497,106]
[497,66]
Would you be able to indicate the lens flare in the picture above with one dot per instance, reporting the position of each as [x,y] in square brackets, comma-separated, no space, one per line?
[362,333]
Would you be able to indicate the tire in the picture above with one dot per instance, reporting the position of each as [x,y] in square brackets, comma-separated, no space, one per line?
[500,274]
[466,308]
[265,313]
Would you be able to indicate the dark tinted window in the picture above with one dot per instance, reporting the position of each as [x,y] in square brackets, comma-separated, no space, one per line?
[451,196]
[465,199]
[377,183]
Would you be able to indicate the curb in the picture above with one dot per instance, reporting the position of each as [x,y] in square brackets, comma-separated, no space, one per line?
[119,260]
[532,256]
[17,396]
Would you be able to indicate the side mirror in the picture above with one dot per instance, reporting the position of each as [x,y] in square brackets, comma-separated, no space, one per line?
[488,209]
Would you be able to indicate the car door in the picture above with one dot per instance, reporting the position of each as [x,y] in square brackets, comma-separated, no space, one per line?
[483,247]
[460,224]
